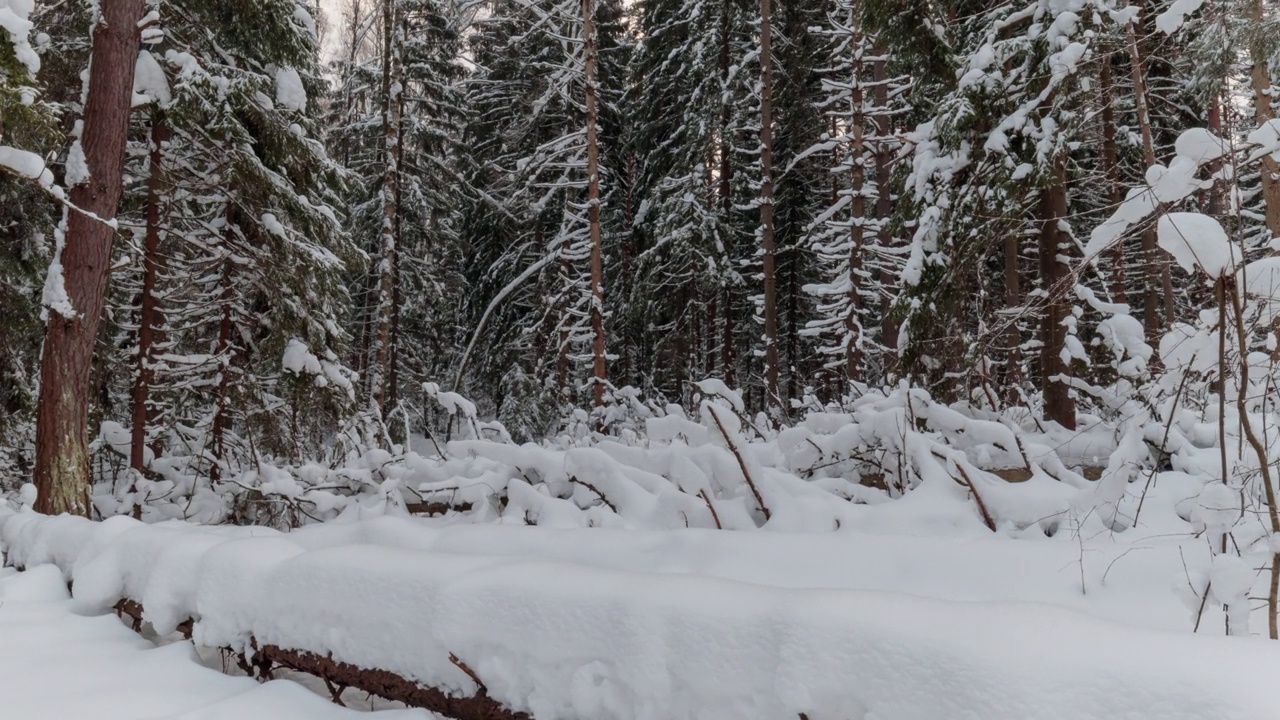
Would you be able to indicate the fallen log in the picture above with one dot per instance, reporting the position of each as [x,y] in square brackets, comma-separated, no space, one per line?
[385,684]
[338,675]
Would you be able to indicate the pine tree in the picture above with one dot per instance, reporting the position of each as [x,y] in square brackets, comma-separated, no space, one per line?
[247,186]
[849,235]
[26,219]
[79,271]
[530,162]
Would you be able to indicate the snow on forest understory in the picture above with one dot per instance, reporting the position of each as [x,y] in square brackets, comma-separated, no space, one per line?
[57,663]
[935,620]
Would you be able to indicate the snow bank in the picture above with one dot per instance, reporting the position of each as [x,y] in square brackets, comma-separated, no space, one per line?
[683,624]
[56,664]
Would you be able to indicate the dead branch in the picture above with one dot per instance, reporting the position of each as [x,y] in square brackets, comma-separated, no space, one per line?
[596,490]
[742,463]
[714,515]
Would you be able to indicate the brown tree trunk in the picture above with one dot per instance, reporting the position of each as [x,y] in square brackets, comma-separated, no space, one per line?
[223,354]
[857,215]
[148,315]
[393,340]
[728,362]
[1111,167]
[391,90]
[601,376]
[62,453]
[1158,279]
[772,398]
[1263,112]
[884,200]
[1012,299]
[1055,277]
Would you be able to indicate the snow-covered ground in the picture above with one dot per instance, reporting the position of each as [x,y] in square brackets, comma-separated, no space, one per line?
[58,664]
[597,623]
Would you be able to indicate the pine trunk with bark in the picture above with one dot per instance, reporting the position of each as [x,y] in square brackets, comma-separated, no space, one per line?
[1055,279]
[62,453]
[768,243]
[857,214]
[600,370]
[148,314]
[1264,111]
[380,355]
[1158,279]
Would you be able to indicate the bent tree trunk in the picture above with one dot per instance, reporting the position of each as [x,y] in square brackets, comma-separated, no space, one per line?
[62,455]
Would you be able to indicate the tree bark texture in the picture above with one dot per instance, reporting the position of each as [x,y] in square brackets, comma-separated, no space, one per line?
[62,453]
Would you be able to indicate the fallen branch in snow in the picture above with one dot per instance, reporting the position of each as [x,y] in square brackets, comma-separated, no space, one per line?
[714,515]
[437,508]
[386,685]
[574,479]
[133,611]
[483,689]
[742,463]
[977,498]
[338,676]
[1164,443]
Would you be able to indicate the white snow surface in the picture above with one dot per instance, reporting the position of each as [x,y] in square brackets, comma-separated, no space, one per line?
[149,82]
[14,19]
[1197,241]
[695,623]
[290,93]
[58,664]
[1172,19]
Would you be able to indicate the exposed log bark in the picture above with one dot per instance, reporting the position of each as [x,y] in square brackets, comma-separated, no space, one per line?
[338,675]
[387,685]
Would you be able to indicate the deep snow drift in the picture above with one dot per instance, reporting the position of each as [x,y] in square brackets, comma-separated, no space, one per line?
[58,665]
[693,623]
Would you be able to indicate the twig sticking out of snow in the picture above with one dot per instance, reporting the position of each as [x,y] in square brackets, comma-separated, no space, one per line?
[733,448]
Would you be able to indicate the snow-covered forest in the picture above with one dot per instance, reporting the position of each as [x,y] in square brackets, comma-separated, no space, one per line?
[829,359]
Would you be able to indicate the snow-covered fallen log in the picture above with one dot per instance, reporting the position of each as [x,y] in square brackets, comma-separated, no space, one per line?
[623,637]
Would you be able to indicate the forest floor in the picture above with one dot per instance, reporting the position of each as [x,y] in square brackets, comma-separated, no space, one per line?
[58,664]
[868,625]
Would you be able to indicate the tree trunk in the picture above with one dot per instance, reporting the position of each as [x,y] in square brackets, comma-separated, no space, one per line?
[593,201]
[223,353]
[148,318]
[1158,280]
[1055,277]
[772,398]
[391,89]
[728,362]
[1012,299]
[391,398]
[884,199]
[857,213]
[1264,111]
[62,453]
[1111,168]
